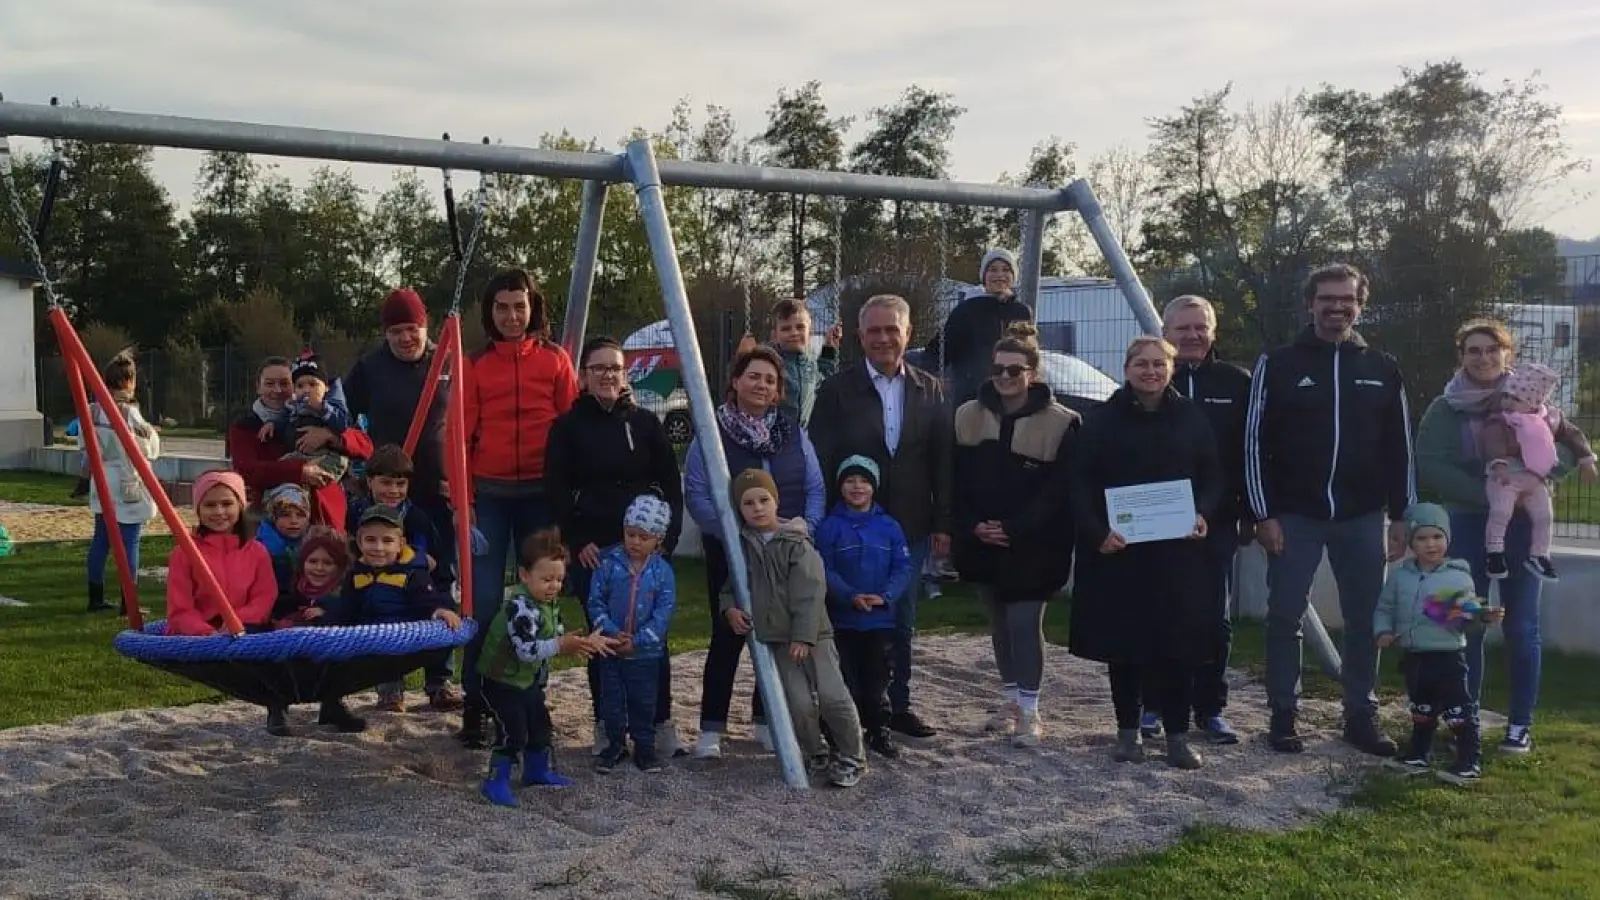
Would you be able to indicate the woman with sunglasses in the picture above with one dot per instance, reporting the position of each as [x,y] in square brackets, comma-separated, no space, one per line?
[603,453]
[1012,519]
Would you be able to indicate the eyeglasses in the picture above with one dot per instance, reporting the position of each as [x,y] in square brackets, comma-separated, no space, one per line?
[1008,371]
[603,370]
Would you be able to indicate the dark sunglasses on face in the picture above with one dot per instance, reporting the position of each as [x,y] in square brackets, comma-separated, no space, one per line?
[1008,371]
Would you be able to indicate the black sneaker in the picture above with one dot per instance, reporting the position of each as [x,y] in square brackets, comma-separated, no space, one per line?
[1281,734]
[474,728]
[878,742]
[335,713]
[1461,773]
[1410,765]
[908,724]
[1541,567]
[646,761]
[1519,739]
[607,762]
[1494,564]
[1363,734]
[278,722]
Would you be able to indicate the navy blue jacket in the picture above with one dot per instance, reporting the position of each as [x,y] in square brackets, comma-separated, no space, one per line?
[863,553]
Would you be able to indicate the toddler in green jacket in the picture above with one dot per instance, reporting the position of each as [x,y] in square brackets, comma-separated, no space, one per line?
[1426,607]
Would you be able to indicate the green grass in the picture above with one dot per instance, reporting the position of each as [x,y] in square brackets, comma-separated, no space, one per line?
[23,486]
[1528,830]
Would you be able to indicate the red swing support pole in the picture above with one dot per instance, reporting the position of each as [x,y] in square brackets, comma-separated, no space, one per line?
[78,357]
[456,459]
[108,508]
[430,389]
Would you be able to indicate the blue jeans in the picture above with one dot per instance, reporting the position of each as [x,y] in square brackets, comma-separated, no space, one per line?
[505,524]
[628,699]
[100,548]
[1519,594]
[905,631]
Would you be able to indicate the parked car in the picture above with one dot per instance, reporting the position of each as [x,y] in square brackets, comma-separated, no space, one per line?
[673,411]
[1077,385]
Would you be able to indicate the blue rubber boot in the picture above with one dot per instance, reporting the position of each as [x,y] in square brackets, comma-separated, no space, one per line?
[536,770]
[497,787]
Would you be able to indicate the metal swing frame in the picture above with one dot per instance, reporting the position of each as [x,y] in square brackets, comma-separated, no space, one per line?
[637,166]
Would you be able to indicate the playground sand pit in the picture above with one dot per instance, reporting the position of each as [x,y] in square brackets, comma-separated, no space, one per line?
[199,801]
[32,523]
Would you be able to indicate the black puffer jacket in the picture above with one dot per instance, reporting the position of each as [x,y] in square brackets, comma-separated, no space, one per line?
[597,460]
[1015,468]
[1221,390]
[969,335]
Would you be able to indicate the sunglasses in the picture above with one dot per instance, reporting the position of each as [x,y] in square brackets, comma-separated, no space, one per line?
[1008,371]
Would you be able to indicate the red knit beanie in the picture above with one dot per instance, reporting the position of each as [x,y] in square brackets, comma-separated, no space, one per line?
[404,307]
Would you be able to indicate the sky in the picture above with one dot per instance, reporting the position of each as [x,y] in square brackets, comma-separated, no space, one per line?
[1092,74]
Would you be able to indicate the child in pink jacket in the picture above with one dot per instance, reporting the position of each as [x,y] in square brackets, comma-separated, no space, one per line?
[228,545]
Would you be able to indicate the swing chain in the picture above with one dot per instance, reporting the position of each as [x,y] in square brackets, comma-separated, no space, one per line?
[939,288]
[745,284]
[838,259]
[479,204]
[24,225]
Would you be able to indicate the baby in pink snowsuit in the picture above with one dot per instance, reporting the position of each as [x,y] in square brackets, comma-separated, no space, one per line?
[1519,442]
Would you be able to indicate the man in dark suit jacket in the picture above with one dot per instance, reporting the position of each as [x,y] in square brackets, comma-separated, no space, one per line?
[895,414]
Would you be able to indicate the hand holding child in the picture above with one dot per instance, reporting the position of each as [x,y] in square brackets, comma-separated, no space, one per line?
[1589,473]
[1385,640]
[448,617]
[623,644]
[799,652]
[266,432]
[738,621]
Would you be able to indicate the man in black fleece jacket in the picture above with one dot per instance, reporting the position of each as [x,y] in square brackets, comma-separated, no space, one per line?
[1327,452]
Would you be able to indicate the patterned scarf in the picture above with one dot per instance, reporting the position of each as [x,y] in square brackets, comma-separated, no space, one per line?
[764,435]
[1465,396]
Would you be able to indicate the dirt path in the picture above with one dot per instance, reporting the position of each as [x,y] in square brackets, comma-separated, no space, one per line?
[30,523]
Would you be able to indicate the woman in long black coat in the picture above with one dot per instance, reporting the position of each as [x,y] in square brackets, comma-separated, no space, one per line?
[1144,608]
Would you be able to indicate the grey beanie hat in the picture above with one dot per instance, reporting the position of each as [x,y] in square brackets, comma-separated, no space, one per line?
[994,254]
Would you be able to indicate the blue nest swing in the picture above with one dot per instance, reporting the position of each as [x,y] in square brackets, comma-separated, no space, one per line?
[296,665]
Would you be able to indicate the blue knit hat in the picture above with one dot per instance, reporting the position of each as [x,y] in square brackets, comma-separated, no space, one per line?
[1426,515]
[859,465]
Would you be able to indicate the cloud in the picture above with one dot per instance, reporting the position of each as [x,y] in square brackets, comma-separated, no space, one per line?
[1024,69]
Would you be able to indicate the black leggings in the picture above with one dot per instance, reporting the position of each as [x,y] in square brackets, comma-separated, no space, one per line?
[1168,686]
[722,661]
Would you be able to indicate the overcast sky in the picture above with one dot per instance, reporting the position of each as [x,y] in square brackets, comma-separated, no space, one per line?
[1091,73]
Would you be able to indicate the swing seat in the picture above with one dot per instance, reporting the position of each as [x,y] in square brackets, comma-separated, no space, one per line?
[296,665]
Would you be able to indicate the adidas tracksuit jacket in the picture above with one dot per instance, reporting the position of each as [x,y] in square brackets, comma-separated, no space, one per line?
[1328,435]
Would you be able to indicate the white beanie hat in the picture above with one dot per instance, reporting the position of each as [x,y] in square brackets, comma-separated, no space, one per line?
[650,514]
[994,254]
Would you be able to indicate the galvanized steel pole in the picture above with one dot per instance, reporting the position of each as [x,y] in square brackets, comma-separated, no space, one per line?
[591,215]
[663,250]
[77,123]
[1034,222]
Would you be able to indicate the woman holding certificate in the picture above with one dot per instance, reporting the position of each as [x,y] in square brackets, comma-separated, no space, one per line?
[1145,480]
[1013,525]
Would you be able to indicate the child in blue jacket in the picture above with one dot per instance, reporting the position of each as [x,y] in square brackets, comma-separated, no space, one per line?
[869,569]
[631,598]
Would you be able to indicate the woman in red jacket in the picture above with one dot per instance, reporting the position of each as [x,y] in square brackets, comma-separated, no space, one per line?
[515,388]
[257,461]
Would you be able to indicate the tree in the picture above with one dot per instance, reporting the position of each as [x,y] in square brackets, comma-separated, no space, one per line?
[221,235]
[909,139]
[1122,179]
[1050,165]
[801,135]
[341,254]
[412,236]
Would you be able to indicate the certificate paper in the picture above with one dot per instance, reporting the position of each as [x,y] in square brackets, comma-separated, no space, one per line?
[1160,511]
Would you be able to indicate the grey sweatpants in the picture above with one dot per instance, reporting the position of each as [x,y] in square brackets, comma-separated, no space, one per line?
[817,693]
[1355,550]
[1017,631]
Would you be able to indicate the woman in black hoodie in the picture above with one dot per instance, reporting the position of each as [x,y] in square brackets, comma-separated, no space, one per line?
[602,454]
[1145,608]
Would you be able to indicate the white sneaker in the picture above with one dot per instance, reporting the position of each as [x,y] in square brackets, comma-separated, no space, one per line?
[1030,730]
[1005,720]
[667,745]
[764,737]
[601,742]
[709,746]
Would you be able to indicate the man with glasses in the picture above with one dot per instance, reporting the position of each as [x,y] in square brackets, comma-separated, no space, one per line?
[1327,451]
